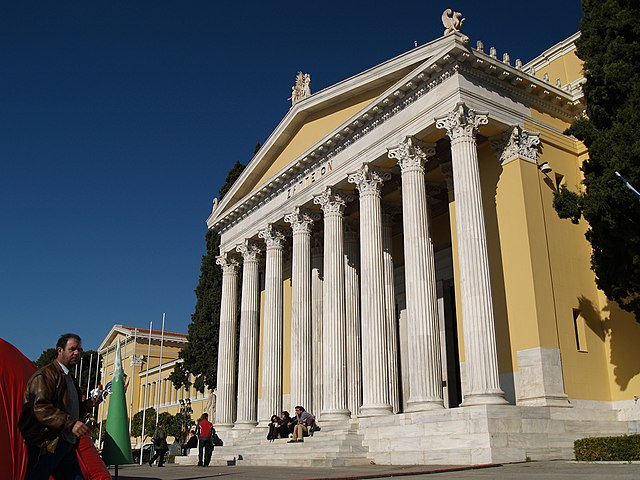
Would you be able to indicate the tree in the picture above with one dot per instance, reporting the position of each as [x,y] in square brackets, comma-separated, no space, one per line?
[149,423]
[200,355]
[610,49]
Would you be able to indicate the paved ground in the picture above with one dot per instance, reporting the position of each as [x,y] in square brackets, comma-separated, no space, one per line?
[556,470]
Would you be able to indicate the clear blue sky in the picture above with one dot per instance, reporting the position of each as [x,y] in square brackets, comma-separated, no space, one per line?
[119,121]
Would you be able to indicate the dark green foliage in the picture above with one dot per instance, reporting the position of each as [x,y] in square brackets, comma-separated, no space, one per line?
[232,176]
[610,48]
[149,423]
[622,449]
[200,355]
[46,357]
[171,424]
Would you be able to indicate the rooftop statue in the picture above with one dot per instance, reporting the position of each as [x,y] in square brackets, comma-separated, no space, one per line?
[452,21]
[301,89]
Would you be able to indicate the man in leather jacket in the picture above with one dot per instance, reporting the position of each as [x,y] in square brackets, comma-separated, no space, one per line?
[50,421]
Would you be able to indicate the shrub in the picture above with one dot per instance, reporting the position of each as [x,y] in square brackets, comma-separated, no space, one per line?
[625,448]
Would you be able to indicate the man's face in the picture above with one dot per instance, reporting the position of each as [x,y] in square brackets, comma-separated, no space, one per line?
[70,355]
[298,411]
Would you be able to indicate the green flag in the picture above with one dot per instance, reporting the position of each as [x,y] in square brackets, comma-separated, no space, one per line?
[117,444]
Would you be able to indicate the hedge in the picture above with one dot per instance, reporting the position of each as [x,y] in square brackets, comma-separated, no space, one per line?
[625,448]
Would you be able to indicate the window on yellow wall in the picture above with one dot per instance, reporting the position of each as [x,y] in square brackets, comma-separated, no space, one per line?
[580,330]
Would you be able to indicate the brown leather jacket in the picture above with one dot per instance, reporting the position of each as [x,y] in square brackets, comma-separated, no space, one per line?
[44,414]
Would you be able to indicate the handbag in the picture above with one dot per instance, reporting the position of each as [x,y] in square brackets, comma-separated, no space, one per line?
[217,441]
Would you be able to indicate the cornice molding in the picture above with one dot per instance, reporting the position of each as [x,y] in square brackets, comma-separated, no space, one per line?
[456,58]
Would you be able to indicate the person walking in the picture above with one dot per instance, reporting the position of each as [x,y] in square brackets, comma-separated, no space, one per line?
[50,418]
[160,445]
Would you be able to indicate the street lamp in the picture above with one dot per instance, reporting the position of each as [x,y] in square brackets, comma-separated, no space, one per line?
[185,418]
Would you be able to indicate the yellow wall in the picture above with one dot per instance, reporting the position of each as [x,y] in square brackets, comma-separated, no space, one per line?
[567,68]
[317,126]
[135,381]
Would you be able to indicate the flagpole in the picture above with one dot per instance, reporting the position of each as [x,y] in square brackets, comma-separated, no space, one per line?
[146,388]
[160,373]
[80,378]
[133,378]
[101,411]
[89,377]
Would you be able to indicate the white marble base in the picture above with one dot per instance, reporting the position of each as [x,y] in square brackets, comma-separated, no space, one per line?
[456,436]
[539,381]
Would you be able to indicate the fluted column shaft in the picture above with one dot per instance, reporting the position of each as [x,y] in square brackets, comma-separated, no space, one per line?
[316,321]
[273,325]
[225,403]
[334,372]
[352,308]
[301,328]
[390,308]
[481,360]
[425,375]
[249,337]
[375,374]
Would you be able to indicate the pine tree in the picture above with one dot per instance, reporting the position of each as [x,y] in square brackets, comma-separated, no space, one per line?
[609,46]
[200,355]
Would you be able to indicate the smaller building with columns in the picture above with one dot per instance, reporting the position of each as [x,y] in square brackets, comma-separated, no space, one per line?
[148,358]
[405,276]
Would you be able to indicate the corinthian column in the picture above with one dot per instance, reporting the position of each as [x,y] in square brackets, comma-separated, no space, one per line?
[301,329]
[375,374]
[272,334]
[425,375]
[316,324]
[249,337]
[481,358]
[352,308]
[334,372]
[390,307]
[225,403]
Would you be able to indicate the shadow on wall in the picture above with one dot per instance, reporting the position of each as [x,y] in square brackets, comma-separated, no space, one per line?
[623,334]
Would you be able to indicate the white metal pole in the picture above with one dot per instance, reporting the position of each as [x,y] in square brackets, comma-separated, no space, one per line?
[89,377]
[146,387]
[80,377]
[132,381]
[160,373]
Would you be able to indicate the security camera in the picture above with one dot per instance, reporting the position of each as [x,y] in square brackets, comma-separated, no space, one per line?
[545,168]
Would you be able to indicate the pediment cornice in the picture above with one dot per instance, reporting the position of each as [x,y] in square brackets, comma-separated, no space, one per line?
[453,57]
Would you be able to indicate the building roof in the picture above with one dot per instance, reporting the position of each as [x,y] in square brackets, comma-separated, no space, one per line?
[142,336]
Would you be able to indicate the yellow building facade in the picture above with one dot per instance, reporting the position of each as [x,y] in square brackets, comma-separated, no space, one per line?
[148,358]
[405,276]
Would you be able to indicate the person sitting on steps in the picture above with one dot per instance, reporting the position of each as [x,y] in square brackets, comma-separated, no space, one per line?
[304,421]
[275,426]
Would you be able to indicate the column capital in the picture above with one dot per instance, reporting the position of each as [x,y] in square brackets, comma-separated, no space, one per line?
[273,236]
[301,220]
[229,264]
[516,143]
[412,154]
[249,251]
[369,180]
[462,122]
[333,201]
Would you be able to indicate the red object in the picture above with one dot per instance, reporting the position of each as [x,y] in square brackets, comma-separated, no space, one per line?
[15,371]
[205,428]
[93,468]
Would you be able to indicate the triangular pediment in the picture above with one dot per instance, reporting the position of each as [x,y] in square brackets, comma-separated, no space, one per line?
[312,119]
[328,120]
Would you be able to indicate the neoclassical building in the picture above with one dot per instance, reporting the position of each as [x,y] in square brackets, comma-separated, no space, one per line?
[405,276]
[148,358]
